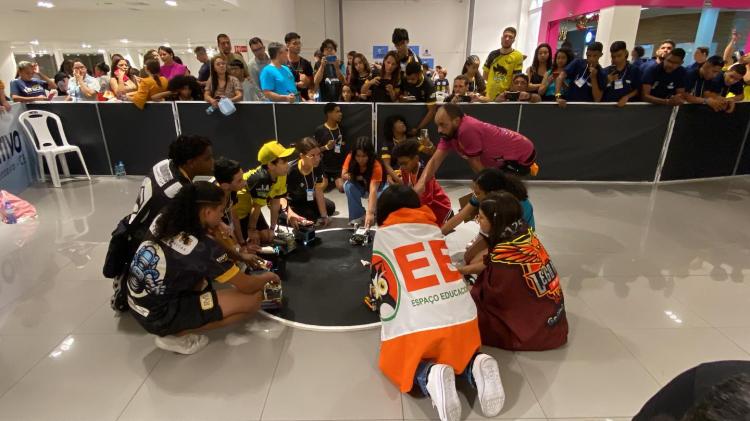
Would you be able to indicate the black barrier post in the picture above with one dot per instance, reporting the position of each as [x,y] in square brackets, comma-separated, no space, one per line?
[742,149]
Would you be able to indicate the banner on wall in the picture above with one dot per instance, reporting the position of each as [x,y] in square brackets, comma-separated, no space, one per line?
[17,155]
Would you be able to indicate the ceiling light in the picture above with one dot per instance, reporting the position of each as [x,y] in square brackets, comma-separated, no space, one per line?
[172,3]
[84,45]
[166,44]
[124,41]
[100,51]
[45,4]
[34,42]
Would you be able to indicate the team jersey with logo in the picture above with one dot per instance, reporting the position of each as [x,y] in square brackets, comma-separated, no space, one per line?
[500,69]
[159,187]
[259,190]
[425,307]
[518,296]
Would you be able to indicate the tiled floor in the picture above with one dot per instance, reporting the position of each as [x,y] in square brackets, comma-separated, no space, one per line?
[656,281]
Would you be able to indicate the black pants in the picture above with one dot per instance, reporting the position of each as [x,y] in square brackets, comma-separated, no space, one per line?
[517,168]
[260,226]
[309,209]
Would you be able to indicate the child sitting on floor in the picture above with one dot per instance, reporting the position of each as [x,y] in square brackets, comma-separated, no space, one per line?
[519,299]
[429,322]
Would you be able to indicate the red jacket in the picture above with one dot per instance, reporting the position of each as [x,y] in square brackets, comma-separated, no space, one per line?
[519,299]
[434,196]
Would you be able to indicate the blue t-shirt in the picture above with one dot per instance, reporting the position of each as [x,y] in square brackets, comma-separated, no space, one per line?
[646,64]
[528,213]
[663,84]
[278,80]
[695,84]
[579,69]
[27,89]
[628,81]
[719,86]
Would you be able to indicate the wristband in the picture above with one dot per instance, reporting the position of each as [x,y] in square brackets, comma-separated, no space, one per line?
[558,95]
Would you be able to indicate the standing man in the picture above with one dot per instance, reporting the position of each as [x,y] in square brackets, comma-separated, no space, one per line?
[481,144]
[205,70]
[415,87]
[698,83]
[400,39]
[331,140]
[699,56]
[636,56]
[502,64]
[329,80]
[664,83]
[225,52]
[623,78]
[276,79]
[83,87]
[588,78]
[301,67]
[260,60]
[665,48]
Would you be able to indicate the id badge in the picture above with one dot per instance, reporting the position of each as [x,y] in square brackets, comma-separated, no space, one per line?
[310,195]
[580,82]
[337,148]
[619,84]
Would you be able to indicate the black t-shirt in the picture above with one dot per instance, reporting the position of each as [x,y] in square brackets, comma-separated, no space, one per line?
[442,85]
[302,67]
[378,93]
[695,84]
[204,72]
[478,85]
[158,188]
[330,87]
[356,83]
[422,92]
[333,160]
[162,271]
[298,184]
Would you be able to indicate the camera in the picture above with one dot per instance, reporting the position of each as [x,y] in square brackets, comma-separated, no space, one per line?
[512,96]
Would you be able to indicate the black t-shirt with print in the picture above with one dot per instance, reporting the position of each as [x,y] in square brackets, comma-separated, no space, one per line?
[422,92]
[157,189]
[332,160]
[297,184]
[161,271]
[330,87]
[442,85]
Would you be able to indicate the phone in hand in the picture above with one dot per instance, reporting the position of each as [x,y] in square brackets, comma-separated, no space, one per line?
[512,96]
[331,59]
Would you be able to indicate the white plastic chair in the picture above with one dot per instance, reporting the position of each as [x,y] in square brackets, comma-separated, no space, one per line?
[45,144]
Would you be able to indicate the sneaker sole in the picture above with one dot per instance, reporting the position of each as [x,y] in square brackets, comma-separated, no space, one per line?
[489,387]
[162,345]
[451,410]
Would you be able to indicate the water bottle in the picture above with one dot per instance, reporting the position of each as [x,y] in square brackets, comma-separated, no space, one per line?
[10,213]
[210,110]
[120,169]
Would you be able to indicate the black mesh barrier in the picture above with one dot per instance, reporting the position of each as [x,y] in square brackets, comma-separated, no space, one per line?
[595,142]
[744,159]
[454,167]
[138,138]
[705,143]
[295,121]
[238,136]
[81,126]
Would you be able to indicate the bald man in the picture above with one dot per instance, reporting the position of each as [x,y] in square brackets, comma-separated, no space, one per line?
[481,144]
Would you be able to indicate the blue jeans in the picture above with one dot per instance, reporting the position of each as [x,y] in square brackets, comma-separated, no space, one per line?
[423,370]
[354,194]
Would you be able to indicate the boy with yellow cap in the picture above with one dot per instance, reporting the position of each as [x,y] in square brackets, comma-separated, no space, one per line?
[265,186]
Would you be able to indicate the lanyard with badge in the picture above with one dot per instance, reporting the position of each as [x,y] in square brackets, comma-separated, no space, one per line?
[310,191]
[581,80]
[336,139]
[619,82]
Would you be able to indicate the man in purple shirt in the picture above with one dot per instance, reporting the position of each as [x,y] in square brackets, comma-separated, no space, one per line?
[481,144]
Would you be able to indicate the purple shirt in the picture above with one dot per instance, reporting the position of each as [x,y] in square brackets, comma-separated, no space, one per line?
[492,144]
[172,70]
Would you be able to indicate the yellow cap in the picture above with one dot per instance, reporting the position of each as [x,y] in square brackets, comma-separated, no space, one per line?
[272,150]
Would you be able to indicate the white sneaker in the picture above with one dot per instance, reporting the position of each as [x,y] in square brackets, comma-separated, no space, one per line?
[357,221]
[441,384]
[187,344]
[489,386]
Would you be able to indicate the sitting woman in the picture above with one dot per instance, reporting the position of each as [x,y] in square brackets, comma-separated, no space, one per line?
[426,344]
[170,284]
[149,86]
[122,81]
[221,84]
[305,185]
[395,132]
[363,176]
[518,294]
[181,88]
[487,181]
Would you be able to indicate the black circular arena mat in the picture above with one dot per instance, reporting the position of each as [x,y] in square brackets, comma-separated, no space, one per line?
[324,285]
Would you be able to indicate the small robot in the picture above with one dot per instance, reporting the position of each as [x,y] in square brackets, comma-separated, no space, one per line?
[305,234]
[362,236]
[272,297]
[285,241]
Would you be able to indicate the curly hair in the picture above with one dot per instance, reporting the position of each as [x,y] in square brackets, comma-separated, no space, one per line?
[390,121]
[179,82]
[187,147]
[181,217]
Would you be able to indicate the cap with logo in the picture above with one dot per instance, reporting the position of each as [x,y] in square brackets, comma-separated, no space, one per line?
[273,150]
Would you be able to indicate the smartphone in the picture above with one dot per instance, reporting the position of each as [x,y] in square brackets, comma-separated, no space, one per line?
[331,59]
[424,134]
[512,96]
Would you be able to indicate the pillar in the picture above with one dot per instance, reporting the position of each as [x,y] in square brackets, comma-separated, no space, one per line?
[7,65]
[706,28]
[617,23]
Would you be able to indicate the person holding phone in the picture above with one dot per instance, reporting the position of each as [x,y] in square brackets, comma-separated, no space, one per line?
[519,91]
[623,78]
[328,76]
[121,82]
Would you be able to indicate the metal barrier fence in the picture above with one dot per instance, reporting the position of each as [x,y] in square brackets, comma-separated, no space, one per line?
[583,142]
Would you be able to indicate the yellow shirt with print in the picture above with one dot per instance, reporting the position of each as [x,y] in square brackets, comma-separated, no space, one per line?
[258,190]
[500,69]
